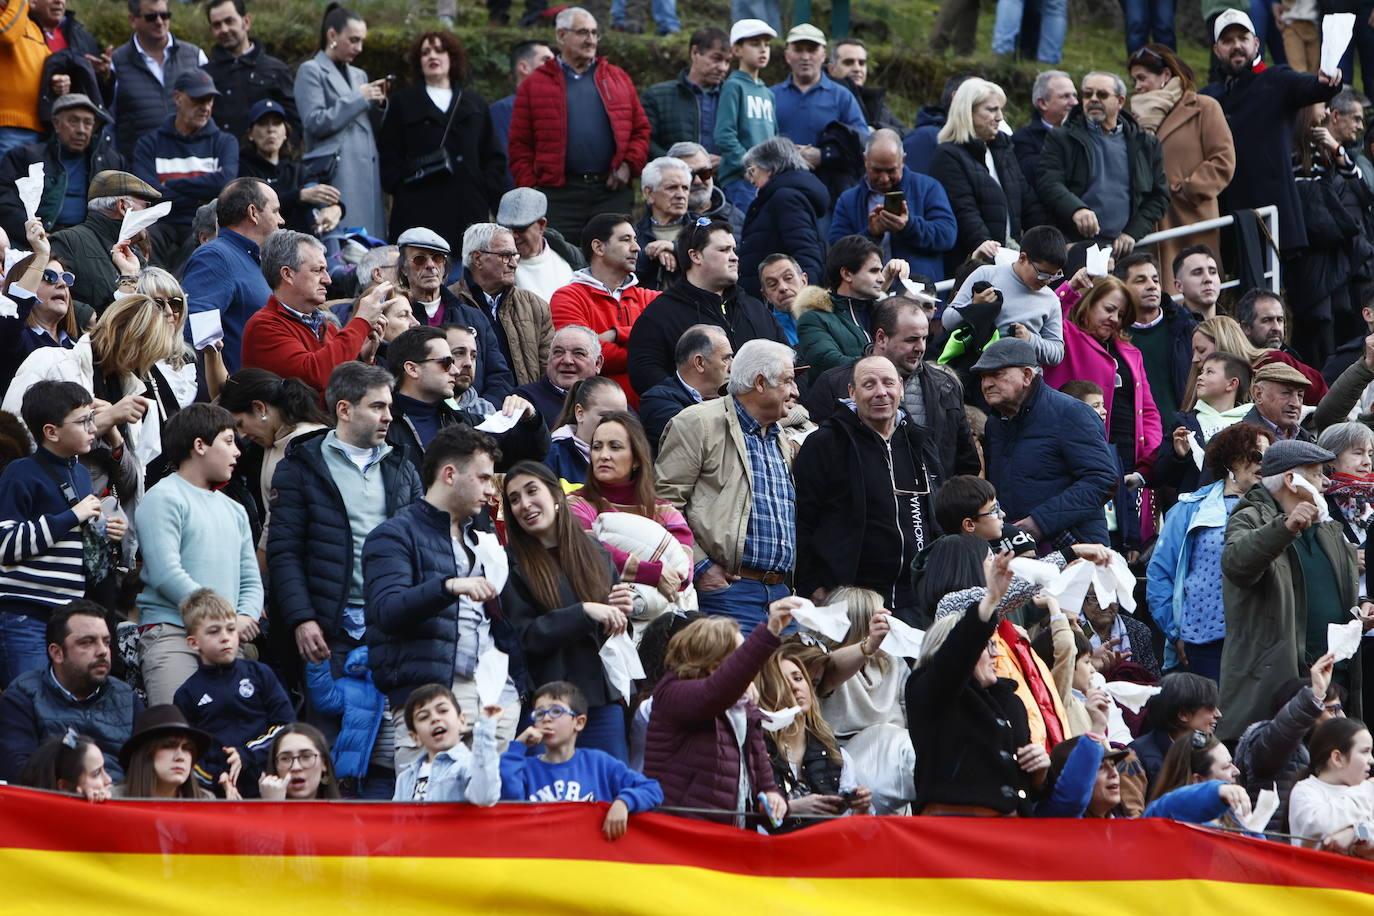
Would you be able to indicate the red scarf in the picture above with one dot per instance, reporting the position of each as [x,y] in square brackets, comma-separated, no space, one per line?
[1021,652]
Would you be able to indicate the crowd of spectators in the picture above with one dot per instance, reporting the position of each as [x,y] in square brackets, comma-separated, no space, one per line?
[381,461]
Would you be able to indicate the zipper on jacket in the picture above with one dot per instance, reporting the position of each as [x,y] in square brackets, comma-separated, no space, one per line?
[897,517]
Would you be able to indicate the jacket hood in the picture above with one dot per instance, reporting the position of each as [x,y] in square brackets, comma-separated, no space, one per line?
[932,115]
[356,663]
[800,180]
[812,299]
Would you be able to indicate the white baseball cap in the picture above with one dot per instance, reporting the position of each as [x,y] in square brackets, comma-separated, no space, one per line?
[1229,18]
[750,28]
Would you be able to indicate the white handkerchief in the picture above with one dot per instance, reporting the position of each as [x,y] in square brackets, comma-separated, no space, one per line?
[1196,449]
[492,557]
[135,221]
[1132,696]
[1097,260]
[776,721]
[1336,31]
[1343,639]
[498,423]
[31,189]
[1005,256]
[621,663]
[1037,572]
[1263,810]
[1323,513]
[831,620]
[206,328]
[917,292]
[493,666]
[1071,585]
[903,639]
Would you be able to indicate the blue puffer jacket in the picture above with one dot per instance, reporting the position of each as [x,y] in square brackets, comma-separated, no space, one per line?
[930,229]
[784,218]
[310,544]
[1051,462]
[1172,557]
[361,704]
[412,621]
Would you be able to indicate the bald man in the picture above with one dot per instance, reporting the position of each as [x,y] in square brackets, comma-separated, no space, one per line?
[905,212]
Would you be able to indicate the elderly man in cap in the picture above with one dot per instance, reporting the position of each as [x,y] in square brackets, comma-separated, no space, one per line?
[1277,391]
[1287,573]
[547,260]
[84,249]
[808,100]
[1260,106]
[705,197]
[1045,451]
[188,158]
[78,148]
[424,263]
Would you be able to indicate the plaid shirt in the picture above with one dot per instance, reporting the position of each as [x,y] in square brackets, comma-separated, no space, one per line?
[770,541]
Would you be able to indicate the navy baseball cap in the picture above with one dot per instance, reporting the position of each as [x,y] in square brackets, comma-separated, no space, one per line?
[265,107]
[195,83]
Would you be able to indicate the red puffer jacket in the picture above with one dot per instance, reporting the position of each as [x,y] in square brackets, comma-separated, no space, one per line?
[690,747]
[539,124]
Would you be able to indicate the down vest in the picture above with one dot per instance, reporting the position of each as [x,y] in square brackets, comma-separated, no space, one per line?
[310,531]
[412,621]
[33,707]
[690,747]
[539,125]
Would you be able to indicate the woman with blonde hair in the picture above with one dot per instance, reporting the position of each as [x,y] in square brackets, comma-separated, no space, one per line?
[177,379]
[1223,333]
[974,161]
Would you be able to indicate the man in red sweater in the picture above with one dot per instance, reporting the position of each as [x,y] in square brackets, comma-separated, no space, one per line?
[290,335]
[578,131]
[605,295]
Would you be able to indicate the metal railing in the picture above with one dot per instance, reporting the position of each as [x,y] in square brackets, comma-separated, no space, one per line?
[1269,214]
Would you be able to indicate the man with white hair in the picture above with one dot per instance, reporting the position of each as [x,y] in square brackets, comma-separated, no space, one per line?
[667,184]
[578,133]
[1053,96]
[377,265]
[1101,175]
[705,198]
[84,249]
[520,318]
[1287,573]
[725,464]
[574,354]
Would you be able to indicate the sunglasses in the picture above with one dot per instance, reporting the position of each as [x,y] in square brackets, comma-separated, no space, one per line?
[445,362]
[175,304]
[421,258]
[704,175]
[151,18]
[52,277]
[1139,57]
[1099,94]
[1049,278]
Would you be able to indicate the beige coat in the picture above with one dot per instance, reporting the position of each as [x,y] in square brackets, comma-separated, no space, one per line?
[703,470]
[528,325]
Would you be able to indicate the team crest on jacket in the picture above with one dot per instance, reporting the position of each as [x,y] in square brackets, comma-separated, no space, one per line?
[245,688]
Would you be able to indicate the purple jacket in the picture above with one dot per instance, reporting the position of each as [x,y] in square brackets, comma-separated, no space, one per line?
[690,747]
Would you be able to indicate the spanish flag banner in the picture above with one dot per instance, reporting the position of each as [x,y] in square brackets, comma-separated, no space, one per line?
[65,855]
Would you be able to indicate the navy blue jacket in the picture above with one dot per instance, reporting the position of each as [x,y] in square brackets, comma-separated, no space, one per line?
[567,461]
[310,531]
[226,274]
[242,705]
[412,620]
[494,379]
[784,218]
[33,708]
[1051,462]
[527,439]
[1027,142]
[920,143]
[188,171]
[358,701]
[930,229]
[546,398]
[660,404]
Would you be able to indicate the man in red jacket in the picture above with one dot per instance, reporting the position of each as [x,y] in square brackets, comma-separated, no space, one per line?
[290,335]
[578,132]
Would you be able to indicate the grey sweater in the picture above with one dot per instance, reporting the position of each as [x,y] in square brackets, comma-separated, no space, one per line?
[1038,310]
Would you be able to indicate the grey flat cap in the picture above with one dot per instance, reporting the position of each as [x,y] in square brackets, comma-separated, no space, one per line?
[420,237]
[521,207]
[1287,454]
[80,100]
[1008,351]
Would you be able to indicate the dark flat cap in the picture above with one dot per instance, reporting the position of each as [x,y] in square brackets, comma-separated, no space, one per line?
[1008,351]
[1287,454]
[110,183]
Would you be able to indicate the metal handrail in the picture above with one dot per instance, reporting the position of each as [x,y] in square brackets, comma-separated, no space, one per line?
[1268,213]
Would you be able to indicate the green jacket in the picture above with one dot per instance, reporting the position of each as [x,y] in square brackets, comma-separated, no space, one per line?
[1066,173]
[1266,609]
[674,114]
[828,329]
[745,117]
[84,249]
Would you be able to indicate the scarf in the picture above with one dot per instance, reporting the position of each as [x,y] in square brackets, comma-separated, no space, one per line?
[1151,108]
[1020,650]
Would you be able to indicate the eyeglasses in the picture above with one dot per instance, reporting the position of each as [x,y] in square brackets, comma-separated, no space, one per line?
[174,304]
[86,422]
[550,712]
[1048,278]
[52,277]
[421,258]
[585,33]
[704,175]
[305,758]
[1255,457]
[1100,94]
[510,257]
[152,18]
[995,510]
[445,362]
[1336,709]
[994,650]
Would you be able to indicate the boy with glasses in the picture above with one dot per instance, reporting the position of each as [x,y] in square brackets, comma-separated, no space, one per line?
[564,773]
[48,511]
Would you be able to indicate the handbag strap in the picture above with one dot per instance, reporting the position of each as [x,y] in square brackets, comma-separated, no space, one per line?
[453,110]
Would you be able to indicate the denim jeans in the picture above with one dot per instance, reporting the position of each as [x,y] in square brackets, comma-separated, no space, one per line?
[23,646]
[1271,43]
[10,137]
[663,11]
[746,601]
[1054,23]
[767,10]
[1205,658]
[1146,18]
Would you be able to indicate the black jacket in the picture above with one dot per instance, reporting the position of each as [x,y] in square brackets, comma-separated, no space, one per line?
[494,379]
[100,155]
[1169,470]
[948,425]
[653,341]
[873,101]
[286,177]
[447,203]
[784,217]
[648,271]
[982,205]
[244,81]
[852,528]
[560,644]
[660,404]
[527,439]
[1027,142]
[966,735]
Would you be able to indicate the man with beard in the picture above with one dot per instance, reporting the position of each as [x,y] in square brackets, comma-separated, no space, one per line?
[74,692]
[1101,175]
[1260,108]
[705,197]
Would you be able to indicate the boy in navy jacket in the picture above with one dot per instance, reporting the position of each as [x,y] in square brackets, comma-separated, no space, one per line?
[564,773]
[240,702]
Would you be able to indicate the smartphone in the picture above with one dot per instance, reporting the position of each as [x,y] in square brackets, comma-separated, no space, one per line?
[894,202]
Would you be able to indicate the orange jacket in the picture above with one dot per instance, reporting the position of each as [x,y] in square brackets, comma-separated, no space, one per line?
[22,52]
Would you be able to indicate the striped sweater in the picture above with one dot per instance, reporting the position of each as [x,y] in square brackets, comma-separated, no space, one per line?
[40,541]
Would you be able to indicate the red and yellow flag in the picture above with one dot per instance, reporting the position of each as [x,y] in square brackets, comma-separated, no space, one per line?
[64,855]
